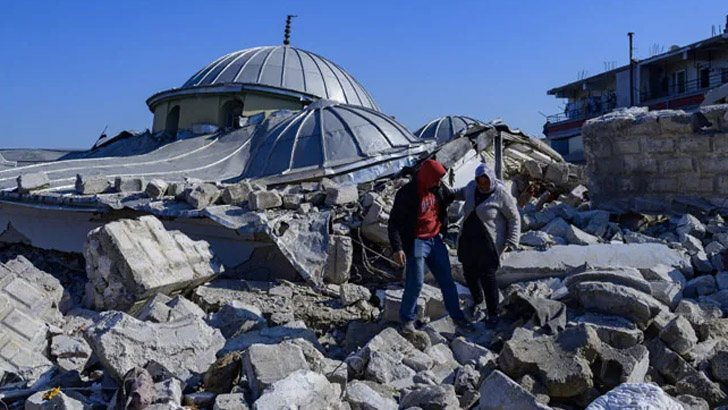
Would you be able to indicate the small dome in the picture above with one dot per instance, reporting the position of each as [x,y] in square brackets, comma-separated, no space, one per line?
[285,68]
[327,135]
[444,128]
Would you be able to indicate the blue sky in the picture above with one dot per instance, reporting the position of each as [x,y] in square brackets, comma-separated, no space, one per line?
[68,69]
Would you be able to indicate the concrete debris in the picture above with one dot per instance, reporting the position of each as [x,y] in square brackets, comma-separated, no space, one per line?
[351,293]
[262,200]
[60,401]
[504,393]
[237,194]
[232,401]
[202,195]
[127,184]
[341,195]
[266,364]
[129,260]
[32,182]
[91,184]
[156,188]
[431,398]
[302,389]
[186,347]
[361,396]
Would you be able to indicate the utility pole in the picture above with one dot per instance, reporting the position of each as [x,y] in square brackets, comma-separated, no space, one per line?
[631,71]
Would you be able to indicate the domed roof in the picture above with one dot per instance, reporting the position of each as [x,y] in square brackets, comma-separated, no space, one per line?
[444,128]
[287,68]
[328,137]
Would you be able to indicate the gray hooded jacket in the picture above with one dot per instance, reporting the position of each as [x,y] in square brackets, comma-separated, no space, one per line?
[499,213]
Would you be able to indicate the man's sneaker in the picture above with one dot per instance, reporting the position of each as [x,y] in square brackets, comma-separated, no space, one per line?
[464,324]
[408,327]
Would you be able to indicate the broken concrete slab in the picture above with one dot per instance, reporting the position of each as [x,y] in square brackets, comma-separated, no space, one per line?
[619,276]
[91,184]
[361,396]
[679,335]
[499,392]
[615,366]
[273,335]
[70,352]
[559,260]
[186,347]
[340,257]
[156,188]
[237,317]
[232,401]
[130,260]
[29,301]
[236,194]
[615,331]
[302,389]
[608,298]
[32,182]
[262,200]
[350,293]
[60,401]
[561,362]
[700,286]
[341,195]
[129,184]
[431,398]
[266,364]
[202,195]
[576,236]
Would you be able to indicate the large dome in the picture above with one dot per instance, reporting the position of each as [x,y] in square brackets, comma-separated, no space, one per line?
[329,138]
[285,68]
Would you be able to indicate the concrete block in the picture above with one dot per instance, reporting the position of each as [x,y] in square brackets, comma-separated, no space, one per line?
[557,172]
[627,146]
[341,255]
[91,185]
[156,188]
[267,364]
[129,184]
[341,195]
[236,194]
[658,145]
[261,200]
[720,143]
[675,165]
[301,389]
[186,347]
[130,260]
[639,163]
[203,195]
[32,181]
[694,144]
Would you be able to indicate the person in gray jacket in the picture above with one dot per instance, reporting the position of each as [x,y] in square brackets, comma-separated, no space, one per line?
[491,226]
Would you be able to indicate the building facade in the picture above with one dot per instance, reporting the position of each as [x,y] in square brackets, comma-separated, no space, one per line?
[677,79]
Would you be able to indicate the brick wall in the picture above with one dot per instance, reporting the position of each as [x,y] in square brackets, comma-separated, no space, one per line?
[658,161]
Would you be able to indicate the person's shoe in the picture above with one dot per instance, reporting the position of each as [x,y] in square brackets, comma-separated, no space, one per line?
[408,327]
[464,324]
[479,313]
[492,321]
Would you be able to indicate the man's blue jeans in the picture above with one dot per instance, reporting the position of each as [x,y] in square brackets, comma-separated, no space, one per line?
[434,253]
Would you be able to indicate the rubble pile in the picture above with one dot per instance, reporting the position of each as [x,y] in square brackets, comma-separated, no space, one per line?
[598,309]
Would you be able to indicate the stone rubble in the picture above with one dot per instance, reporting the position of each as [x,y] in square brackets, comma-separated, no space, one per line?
[641,299]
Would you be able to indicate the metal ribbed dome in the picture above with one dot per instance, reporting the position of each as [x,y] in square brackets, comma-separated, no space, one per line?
[444,128]
[284,67]
[327,135]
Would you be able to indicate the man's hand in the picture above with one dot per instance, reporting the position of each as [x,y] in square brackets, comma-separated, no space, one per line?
[399,258]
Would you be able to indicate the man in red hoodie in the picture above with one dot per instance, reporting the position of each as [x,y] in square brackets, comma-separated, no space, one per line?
[417,217]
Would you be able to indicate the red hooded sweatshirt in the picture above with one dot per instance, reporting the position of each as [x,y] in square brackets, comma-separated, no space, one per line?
[428,224]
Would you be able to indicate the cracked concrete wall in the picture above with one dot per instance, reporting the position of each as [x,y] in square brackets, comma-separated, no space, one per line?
[649,161]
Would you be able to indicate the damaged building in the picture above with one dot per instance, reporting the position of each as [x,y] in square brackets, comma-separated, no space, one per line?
[236,257]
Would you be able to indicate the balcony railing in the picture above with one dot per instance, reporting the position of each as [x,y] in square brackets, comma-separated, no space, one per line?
[584,109]
[670,88]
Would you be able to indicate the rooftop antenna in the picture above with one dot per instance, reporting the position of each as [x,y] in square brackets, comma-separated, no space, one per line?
[287,35]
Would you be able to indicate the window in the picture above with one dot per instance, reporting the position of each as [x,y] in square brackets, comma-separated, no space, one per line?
[678,82]
[704,77]
[172,124]
[231,111]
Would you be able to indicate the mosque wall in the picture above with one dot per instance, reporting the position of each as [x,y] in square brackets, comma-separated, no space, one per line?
[196,109]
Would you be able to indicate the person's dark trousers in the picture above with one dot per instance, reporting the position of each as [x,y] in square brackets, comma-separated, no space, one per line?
[434,253]
[482,281]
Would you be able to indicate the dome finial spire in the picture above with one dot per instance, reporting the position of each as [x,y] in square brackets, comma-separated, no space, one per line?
[287,35]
